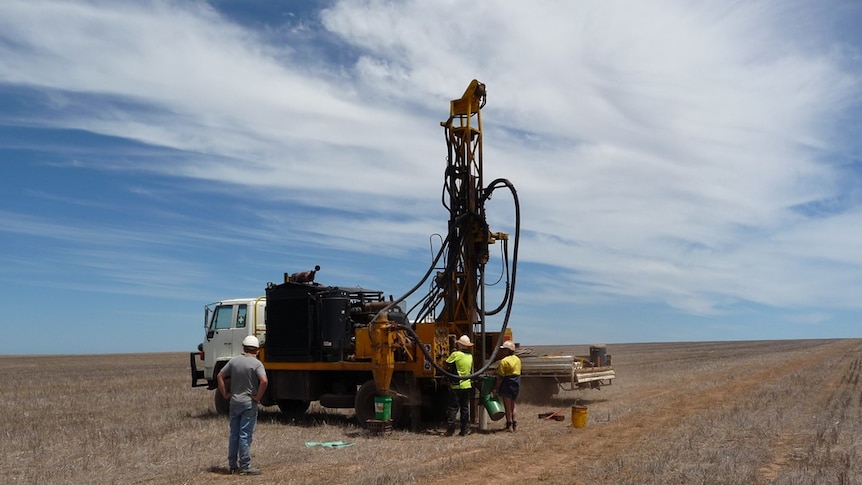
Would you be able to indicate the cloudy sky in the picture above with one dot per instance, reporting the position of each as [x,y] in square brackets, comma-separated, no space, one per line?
[687,171]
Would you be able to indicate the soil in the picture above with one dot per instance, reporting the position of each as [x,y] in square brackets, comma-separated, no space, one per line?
[663,396]
[724,373]
[701,412]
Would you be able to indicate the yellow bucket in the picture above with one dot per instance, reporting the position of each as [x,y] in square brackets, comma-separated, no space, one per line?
[579,416]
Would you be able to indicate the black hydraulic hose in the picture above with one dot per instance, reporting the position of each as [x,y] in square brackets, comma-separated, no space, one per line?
[505,258]
[423,299]
[409,330]
[517,238]
[502,302]
[424,278]
[504,265]
[445,190]
[510,289]
[449,168]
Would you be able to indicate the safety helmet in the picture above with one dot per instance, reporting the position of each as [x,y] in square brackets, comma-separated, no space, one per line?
[251,341]
[508,344]
[464,341]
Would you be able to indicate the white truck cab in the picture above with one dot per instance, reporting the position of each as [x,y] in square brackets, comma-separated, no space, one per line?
[226,323]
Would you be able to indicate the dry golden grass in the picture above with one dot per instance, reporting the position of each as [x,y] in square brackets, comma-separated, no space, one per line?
[787,412]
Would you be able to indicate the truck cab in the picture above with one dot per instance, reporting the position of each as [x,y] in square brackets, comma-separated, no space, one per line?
[226,323]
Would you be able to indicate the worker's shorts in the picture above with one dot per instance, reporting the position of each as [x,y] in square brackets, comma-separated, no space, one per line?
[510,386]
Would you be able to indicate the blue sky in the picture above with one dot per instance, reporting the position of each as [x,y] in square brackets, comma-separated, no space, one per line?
[687,171]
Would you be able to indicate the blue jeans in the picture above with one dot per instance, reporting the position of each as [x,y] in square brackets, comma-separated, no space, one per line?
[243,416]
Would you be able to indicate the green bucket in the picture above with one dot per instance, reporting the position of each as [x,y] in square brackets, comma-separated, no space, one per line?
[488,383]
[493,406]
[383,408]
[495,409]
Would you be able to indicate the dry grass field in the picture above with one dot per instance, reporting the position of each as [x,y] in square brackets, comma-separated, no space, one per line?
[783,412]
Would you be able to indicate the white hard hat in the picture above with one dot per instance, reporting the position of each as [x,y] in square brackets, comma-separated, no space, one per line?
[251,341]
[464,341]
[508,344]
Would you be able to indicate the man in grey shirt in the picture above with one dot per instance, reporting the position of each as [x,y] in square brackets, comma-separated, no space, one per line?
[247,385]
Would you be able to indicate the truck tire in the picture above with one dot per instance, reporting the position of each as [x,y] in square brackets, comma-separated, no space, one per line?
[364,406]
[292,408]
[222,405]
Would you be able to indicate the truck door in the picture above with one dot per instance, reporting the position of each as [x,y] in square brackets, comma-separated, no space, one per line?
[228,328]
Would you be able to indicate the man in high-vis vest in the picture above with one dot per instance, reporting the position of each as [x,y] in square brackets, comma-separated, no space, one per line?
[461,389]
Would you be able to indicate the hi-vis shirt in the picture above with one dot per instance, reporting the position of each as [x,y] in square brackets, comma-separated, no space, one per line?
[464,364]
[509,366]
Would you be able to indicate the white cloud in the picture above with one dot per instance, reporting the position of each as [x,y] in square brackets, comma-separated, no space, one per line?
[663,151]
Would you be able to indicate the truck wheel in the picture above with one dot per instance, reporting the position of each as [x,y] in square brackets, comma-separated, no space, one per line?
[222,405]
[293,408]
[364,407]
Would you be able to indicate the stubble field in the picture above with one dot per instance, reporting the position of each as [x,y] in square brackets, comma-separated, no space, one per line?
[784,412]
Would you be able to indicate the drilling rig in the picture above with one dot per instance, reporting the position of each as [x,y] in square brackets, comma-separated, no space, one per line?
[346,346]
[458,284]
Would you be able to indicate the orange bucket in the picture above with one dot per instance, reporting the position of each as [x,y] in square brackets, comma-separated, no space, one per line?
[579,416]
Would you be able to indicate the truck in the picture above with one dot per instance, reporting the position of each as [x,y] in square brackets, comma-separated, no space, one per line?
[226,324]
[347,346]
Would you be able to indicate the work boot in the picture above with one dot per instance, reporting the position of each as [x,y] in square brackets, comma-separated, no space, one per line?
[249,471]
[509,426]
[464,432]
[450,431]
[514,425]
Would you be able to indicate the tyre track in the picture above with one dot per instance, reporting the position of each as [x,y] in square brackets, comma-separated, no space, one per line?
[661,410]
